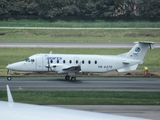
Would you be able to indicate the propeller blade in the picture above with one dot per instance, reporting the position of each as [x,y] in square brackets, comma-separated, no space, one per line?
[48,65]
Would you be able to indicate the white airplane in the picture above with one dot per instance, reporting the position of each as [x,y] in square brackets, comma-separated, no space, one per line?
[74,63]
[20,111]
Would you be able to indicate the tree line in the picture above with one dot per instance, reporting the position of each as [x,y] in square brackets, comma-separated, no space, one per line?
[99,9]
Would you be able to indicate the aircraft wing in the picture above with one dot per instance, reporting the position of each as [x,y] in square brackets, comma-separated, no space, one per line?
[72,68]
[19,111]
[62,67]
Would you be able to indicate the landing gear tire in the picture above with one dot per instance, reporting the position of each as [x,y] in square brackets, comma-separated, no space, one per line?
[67,77]
[73,79]
[9,78]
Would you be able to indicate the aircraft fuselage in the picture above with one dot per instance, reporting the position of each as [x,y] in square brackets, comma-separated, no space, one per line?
[88,63]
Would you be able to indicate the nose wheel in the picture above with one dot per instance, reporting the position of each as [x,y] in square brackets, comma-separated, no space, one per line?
[9,78]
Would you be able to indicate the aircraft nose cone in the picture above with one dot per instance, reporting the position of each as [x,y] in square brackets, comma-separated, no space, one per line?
[8,66]
[13,66]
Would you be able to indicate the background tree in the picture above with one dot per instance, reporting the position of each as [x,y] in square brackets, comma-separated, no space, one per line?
[151,8]
[3,7]
[97,9]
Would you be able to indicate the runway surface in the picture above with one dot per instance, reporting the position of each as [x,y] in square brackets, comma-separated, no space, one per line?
[71,44]
[82,83]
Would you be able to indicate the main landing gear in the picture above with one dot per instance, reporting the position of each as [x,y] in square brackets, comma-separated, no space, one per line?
[67,77]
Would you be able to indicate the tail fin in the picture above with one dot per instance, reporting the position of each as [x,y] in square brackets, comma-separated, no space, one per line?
[139,50]
[10,98]
[135,55]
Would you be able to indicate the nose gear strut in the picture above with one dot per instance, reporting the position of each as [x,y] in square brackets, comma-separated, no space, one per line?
[9,78]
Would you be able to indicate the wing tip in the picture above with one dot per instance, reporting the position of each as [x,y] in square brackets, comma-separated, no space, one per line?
[9,94]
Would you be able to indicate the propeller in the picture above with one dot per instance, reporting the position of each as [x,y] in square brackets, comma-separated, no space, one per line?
[48,65]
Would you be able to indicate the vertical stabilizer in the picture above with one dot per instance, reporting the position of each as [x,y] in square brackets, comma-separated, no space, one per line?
[135,56]
[10,98]
[139,50]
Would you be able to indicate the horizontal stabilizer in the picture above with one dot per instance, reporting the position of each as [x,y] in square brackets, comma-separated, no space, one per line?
[150,44]
[134,67]
[131,62]
[126,62]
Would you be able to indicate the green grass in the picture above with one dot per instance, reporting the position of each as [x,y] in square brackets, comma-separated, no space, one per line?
[70,35]
[10,55]
[81,23]
[85,97]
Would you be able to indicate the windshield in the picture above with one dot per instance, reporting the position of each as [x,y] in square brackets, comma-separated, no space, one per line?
[27,60]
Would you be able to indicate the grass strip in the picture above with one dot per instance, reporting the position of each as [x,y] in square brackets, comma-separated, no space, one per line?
[85,97]
[76,35]
[81,23]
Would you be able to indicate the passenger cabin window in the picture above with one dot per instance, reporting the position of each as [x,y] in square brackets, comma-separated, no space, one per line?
[89,62]
[82,61]
[70,61]
[64,61]
[51,61]
[95,61]
[57,61]
[76,61]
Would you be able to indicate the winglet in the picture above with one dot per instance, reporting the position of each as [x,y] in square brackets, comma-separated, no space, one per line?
[10,98]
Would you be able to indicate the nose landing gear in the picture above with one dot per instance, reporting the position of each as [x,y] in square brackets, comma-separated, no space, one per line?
[9,78]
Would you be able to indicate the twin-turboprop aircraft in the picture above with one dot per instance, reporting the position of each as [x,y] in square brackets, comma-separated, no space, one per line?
[71,64]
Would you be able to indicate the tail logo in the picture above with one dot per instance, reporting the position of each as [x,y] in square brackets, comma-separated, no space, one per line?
[137,49]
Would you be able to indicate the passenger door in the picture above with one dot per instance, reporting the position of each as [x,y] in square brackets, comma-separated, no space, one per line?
[39,63]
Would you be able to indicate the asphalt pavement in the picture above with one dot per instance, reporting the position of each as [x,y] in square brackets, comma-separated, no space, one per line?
[71,44]
[82,83]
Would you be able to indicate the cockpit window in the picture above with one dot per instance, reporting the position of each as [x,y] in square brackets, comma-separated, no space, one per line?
[32,60]
[27,60]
